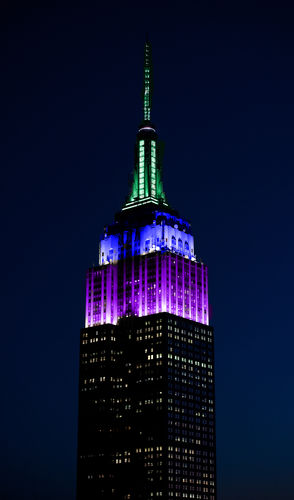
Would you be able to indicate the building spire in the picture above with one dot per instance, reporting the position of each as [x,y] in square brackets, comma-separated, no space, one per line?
[147,90]
[147,178]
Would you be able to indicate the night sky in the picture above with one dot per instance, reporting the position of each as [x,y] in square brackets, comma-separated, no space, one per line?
[71,85]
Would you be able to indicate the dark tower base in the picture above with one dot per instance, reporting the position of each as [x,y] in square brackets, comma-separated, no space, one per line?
[147,410]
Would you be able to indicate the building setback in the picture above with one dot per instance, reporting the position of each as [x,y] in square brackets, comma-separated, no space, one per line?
[146,391]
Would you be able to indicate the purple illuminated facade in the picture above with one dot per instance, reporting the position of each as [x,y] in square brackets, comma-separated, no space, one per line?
[147,284]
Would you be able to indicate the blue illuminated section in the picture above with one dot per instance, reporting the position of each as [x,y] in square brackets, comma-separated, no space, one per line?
[165,233]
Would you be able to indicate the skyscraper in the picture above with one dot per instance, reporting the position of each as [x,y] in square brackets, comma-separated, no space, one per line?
[146,395]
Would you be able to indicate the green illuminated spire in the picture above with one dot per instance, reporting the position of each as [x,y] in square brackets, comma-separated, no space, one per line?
[147,178]
[147,90]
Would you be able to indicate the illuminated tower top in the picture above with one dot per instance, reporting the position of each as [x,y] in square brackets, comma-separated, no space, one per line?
[147,259]
[147,178]
[146,222]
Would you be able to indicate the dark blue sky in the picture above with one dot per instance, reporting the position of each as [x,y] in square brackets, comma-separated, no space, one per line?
[71,80]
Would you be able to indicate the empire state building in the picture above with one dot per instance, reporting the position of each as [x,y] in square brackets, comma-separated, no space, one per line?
[146,389]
